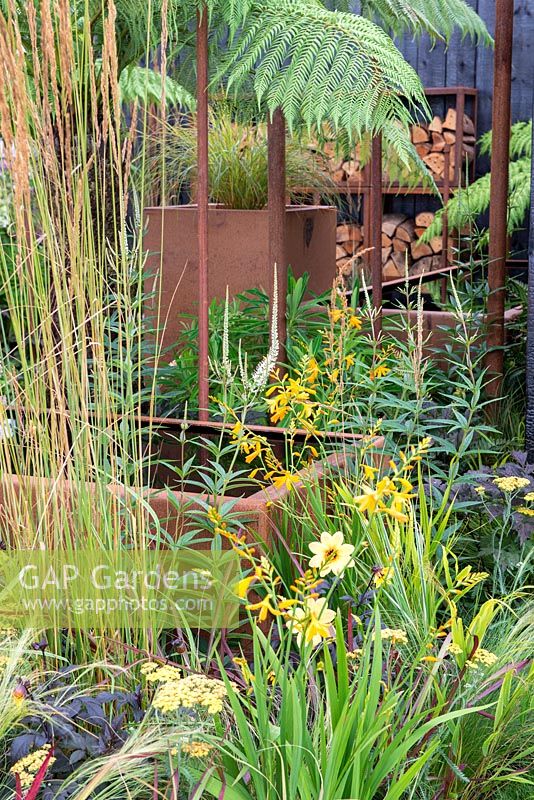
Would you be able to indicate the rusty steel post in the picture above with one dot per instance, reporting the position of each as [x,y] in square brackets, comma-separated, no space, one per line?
[458,155]
[276,143]
[445,221]
[202,210]
[501,120]
[376,229]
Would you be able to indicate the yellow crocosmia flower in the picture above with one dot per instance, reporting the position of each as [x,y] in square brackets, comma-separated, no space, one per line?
[285,480]
[355,322]
[369,472]
[405,485]
[265,607]
[312,622]
[379,371]
[312,370]
[335,314]
[431,659]
[278,408]
[368,501]
[285,603]
[253,448]
[331,554]
[334,375]
[242,586]
[395,513]
[349,360]
[236,430]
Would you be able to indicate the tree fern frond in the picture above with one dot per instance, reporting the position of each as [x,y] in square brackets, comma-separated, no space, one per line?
[145,85]
[323,66]
[439,18]
[470,202]
[520,140]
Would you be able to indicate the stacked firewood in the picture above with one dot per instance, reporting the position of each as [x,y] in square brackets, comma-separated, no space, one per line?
[430,141]
[400,247]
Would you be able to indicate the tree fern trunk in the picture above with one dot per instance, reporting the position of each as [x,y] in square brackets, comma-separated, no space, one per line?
[530,326]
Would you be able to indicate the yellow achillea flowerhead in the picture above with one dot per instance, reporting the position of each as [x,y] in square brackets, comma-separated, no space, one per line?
[482,656]
[454,649]
[355,655]
[529,497]
[331,554]
[27,768]
[197,749]
[160,673]
[394,635]
[528,512]
[190,692]
[510,483]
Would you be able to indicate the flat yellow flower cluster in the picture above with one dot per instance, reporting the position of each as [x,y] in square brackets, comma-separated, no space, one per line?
[160,673]
[394,635]
[189,692]
[27,768]
[511,483]
[481,656]
[197,749]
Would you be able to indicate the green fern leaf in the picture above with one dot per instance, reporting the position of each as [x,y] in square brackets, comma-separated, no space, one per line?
[146,86]
[324,66]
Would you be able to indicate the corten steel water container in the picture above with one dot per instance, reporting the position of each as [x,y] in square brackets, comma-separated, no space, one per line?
[238,255]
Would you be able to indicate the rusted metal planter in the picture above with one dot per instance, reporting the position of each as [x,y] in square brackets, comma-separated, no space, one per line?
[29,502]
[239,255]
[438,327]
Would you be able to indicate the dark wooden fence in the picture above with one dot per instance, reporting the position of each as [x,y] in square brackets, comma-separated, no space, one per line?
[463,63]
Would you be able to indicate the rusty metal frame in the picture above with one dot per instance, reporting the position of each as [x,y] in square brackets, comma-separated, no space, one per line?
[276,147]
[375,224]
[202,206]
[498,216]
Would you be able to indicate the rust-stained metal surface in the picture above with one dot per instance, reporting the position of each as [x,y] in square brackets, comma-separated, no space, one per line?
[202,204]
[445,222]
[239,255]
[276,144]
[498,237]
[376,229]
